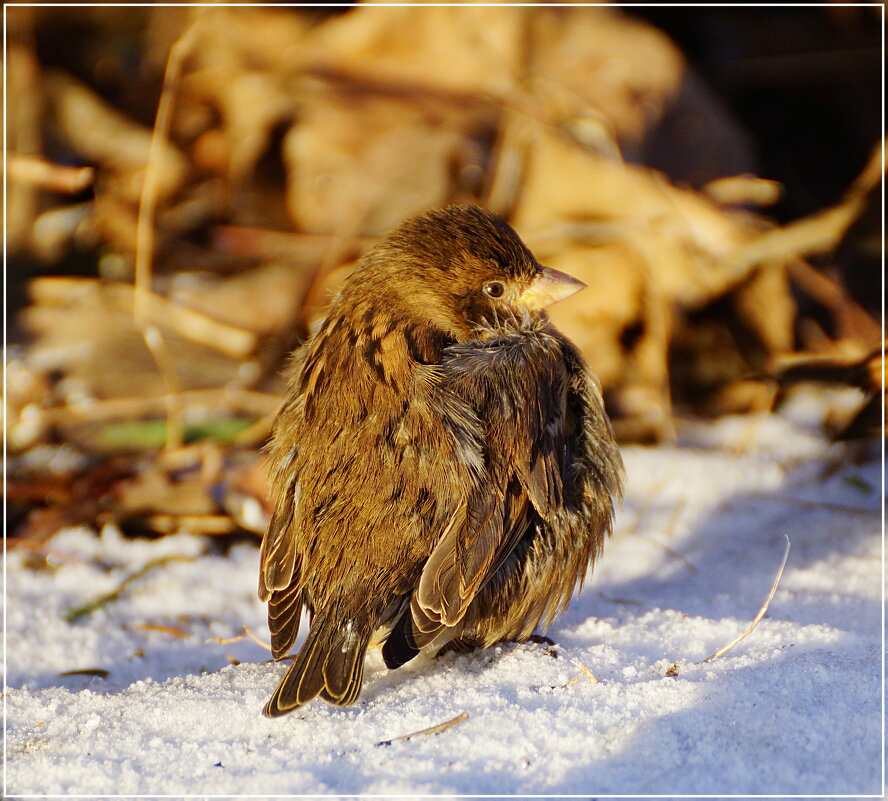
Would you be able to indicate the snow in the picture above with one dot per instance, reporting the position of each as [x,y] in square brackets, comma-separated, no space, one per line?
[795,708]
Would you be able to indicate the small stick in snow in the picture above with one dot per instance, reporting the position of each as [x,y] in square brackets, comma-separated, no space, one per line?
[460,718]
[586,672]
[100,672]
[761,612]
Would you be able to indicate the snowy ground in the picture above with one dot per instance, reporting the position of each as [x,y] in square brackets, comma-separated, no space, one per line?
[793,709]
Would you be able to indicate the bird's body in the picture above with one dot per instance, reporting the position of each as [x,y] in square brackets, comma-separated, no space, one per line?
[442,465]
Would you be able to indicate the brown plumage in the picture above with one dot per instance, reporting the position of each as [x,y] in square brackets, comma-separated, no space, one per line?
[442,466]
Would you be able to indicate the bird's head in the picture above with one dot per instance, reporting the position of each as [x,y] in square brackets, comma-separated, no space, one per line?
[467,272]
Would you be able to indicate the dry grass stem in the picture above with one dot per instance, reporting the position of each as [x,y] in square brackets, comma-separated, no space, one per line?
[838,507]
[100,672]
[148,202]
[815,233]
[192,524]
[173,631]
[228,400]
[166,366]
[268,245]
[79,612]
[737,190]
[624,601]
[145,232]
[508,156]
[460,718]
[188,323]
[674,554]
[851,316]
[226,640]
[761,612]
[339,245]
[256,433]
[197,327]
[254,637]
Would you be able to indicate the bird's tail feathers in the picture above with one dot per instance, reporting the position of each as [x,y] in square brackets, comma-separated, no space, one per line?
[330,664]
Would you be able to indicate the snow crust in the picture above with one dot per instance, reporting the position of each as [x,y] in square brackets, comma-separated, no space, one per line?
[793,709]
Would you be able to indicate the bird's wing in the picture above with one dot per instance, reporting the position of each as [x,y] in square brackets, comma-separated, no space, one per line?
[277,559]
[516,385]
[279,574]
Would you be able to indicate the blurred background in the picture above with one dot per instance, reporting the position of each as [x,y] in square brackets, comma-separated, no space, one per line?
[187,186]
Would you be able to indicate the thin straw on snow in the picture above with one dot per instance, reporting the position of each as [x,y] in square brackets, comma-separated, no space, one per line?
[77,613]
[460,718]
[761,612]
[256,639]
[586,672]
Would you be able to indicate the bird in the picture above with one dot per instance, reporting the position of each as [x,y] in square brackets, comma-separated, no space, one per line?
[442,469]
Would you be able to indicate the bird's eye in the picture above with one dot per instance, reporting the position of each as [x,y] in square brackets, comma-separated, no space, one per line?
[494,289]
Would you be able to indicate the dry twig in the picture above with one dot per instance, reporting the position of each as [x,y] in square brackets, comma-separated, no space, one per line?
[207,525]
[100,672]
[173,631]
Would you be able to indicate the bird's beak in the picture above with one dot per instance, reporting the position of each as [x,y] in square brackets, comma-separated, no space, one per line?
[549,286]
